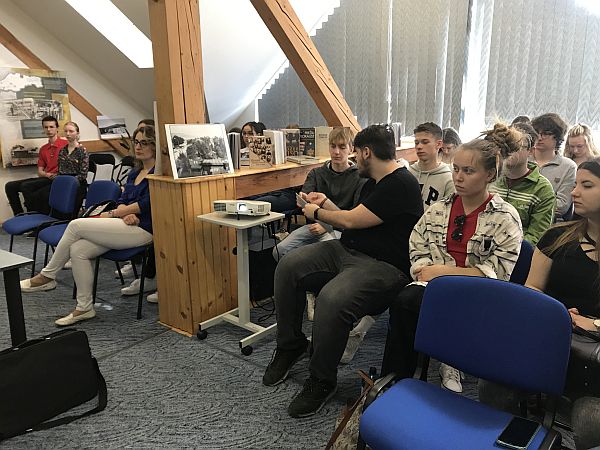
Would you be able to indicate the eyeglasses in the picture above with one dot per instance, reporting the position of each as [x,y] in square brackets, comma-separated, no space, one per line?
[143,143]
[459,221]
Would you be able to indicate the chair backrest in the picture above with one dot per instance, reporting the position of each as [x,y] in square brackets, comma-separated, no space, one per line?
[63,194]
[102,158]
[100,191]
[499,331]
[521,269]
[122,169]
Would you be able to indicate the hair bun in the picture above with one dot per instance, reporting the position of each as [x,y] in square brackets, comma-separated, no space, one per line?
[507,139]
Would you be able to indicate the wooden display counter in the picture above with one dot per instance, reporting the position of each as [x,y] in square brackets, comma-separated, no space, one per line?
[196,268]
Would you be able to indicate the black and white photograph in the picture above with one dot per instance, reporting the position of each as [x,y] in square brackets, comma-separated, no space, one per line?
[198,150]
[111,128]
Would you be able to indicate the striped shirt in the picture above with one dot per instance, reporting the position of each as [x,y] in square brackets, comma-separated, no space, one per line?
[534,200]
[493,248]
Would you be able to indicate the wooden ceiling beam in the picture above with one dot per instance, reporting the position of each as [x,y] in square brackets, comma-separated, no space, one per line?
[178,77]
[288,31]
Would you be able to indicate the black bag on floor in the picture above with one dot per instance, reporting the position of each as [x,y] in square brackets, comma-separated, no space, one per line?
[45,377]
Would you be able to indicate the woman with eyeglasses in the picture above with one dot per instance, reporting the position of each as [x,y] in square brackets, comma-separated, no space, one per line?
[579,145]
[129,225]
[472,233]
[566,266]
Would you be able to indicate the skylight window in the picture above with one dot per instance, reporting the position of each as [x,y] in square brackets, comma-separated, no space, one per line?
[117,28]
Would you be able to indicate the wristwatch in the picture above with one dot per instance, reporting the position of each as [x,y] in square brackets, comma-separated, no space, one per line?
[597,324]
[316,215]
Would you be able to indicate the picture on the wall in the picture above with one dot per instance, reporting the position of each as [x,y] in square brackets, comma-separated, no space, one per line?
[198,150]
[27,96]
[111,128]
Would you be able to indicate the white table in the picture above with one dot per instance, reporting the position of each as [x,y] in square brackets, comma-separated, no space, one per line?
[240,316]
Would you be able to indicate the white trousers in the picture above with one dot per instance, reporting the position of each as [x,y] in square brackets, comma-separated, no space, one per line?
[86,239]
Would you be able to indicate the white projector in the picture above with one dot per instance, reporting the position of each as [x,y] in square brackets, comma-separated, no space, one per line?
[242,207]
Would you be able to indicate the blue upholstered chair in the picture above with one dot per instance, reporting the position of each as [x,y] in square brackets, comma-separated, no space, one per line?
[127,254]
[62,201]
[521,269]
[498,331]
[98,192]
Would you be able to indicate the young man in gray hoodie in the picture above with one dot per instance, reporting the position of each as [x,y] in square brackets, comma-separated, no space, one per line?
[338,179]
[434,176]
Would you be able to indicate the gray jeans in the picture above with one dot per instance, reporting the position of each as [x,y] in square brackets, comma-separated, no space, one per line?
[585,411]
[350,285]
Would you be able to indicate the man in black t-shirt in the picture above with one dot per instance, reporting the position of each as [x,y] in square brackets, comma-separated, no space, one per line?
[356,276]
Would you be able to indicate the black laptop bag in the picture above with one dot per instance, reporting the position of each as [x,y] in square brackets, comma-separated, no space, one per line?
[45,377]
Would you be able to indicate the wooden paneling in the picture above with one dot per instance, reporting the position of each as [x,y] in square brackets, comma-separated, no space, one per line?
[252,182]
[288,31]
[194,259]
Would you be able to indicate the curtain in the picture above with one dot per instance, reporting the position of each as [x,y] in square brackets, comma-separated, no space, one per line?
[428,56]
[544,56]
[354,45]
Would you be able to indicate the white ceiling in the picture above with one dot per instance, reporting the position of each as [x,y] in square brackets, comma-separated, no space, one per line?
[239,54]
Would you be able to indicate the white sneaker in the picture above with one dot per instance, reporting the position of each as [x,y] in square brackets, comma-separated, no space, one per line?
[152,298]
[134,287]
[68,265]
[310,306]
[354,341]
[451,378]
[126,270]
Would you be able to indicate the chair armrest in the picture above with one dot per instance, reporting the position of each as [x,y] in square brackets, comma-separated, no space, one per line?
[380,385]
[552,441]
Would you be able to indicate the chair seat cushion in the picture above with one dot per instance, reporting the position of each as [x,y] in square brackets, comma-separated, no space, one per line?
[22,224]
[125,254]
[417,415]
[53,234]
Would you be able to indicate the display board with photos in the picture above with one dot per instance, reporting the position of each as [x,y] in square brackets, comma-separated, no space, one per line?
[26,96]
[198,150]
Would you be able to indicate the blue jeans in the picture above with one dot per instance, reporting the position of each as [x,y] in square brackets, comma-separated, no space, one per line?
[299,237]
[350,285]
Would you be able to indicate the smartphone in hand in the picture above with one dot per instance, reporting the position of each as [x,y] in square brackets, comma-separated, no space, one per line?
[300,201]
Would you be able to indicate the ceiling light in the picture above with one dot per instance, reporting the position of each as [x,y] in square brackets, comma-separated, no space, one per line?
[117,28]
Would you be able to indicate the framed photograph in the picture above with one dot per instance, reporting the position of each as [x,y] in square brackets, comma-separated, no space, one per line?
[198,150]
[111,128]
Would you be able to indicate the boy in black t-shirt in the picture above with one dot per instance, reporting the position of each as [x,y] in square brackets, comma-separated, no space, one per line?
[356,276]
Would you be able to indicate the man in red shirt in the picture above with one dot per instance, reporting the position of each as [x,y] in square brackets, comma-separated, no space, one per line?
[47,170]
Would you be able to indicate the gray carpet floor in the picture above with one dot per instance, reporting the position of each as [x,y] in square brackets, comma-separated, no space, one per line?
[169,390]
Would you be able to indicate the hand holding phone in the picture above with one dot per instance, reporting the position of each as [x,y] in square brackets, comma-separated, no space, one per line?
[300,201]
[518,434]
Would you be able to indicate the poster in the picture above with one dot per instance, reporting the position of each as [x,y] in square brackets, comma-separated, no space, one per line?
[26,96]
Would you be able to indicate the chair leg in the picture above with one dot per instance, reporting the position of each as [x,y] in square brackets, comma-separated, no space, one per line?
[46,255]
[74,290]
[142,280]
[35,243]
[10,246]
[360,444]
[119,272]
[135,272]
[95,280]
